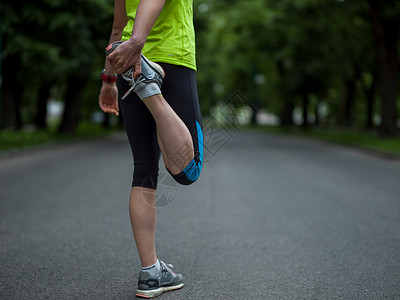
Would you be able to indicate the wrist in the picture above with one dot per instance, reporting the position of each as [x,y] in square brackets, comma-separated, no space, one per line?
[108,78]
[137,40]
[111,84]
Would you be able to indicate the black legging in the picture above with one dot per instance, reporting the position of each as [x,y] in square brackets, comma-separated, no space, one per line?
[180,91]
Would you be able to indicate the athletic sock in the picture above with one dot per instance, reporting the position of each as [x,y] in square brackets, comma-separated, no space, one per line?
[153,270]
[148,90]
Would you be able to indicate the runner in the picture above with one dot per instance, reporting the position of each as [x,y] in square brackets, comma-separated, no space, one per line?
[157,93]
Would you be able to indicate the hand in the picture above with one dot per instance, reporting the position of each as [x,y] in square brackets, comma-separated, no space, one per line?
[108,98]
[125,56]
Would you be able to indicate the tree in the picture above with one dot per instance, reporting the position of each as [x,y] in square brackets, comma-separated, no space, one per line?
[306,49]
[50,41]
[85,41]
[385,18]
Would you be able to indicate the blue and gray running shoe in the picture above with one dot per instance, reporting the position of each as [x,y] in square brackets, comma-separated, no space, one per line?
[166,280]
[151,72]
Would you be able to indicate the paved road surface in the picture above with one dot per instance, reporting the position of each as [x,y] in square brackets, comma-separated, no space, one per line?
[270,218]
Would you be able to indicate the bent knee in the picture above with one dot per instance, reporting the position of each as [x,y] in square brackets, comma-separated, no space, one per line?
[190,174]
[192,171]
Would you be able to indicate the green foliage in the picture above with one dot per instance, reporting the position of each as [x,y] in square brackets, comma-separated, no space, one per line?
[9,139]
[54,37]
[306,49]
[50,40]
[282,55]
[358,138]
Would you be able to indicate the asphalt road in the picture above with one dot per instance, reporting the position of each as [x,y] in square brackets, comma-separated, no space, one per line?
[270,218]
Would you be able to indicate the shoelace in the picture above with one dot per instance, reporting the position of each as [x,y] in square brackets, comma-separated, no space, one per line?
[128,76]
[167,265]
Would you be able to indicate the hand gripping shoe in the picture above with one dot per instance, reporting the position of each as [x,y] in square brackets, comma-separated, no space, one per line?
[148,83]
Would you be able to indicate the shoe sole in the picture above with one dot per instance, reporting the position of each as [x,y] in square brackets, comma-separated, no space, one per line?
[157,292]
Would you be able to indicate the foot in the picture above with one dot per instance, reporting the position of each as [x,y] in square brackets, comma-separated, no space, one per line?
[151,73]
[153,286]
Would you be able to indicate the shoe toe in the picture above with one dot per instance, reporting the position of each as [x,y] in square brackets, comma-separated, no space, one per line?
[179,278]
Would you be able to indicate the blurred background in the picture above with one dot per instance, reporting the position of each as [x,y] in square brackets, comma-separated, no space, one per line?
[328,68]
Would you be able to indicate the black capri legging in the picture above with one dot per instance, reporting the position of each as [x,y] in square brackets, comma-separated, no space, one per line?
[180,91]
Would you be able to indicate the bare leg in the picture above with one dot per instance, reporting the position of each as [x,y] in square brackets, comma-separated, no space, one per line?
[174,138]
[176,146]
[142,211]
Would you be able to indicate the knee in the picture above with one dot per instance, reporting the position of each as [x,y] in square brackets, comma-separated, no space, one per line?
[192,171]
[190,174]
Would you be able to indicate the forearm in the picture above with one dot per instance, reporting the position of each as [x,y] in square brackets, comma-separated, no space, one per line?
[146,15]
[120,20]
[128,53]
[115,36]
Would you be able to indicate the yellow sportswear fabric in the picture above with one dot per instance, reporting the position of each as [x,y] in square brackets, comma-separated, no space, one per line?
[172,39]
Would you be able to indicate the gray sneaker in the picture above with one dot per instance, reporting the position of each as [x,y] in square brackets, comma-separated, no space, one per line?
[166,280]
[151,72]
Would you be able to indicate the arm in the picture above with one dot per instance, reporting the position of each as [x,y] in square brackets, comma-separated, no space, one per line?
[128,54]
[120,20]
[108,98]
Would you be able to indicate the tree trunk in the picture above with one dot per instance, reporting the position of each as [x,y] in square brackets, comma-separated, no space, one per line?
[386,29]
[41,111]
[286,113]
[11,95]
[106,120]
[75,88]
[316,112]
[370,95]
[288,105]
[349,100]
[305,111]
[254,112]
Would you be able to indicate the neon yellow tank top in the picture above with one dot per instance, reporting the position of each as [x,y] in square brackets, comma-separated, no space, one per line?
[172,39]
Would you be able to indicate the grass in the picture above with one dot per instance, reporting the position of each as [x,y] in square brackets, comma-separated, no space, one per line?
[364,139]
[358,138]
[10,139]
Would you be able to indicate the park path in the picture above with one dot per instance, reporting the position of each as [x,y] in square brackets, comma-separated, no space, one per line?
[271,217]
